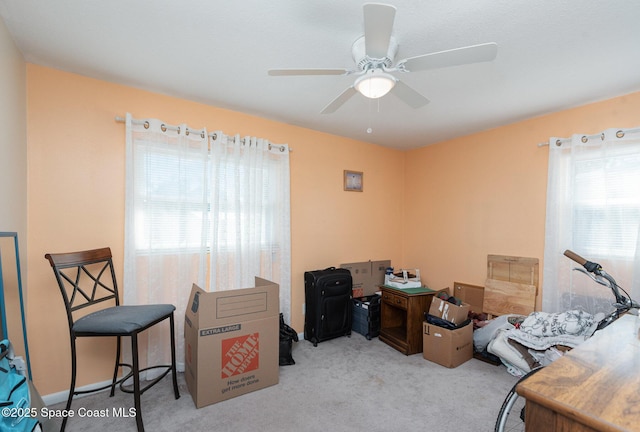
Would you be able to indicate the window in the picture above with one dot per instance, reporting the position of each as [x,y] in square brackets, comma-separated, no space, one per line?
[606,214]
[173,198]
[172,189]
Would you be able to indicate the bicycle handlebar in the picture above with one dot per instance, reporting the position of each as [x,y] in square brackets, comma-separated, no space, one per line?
[574,256]
[590,266]
[622,304]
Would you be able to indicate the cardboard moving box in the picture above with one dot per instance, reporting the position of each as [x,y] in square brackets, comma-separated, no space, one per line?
[449,348]
[367,276]
[231,341]
[449,311]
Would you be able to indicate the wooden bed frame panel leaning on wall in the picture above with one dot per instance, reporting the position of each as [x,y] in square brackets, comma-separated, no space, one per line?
[511,286]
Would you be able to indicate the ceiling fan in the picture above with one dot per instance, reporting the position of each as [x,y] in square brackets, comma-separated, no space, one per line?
[374,55]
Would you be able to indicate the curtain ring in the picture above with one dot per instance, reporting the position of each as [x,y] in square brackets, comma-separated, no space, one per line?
[214,136]
[281,149]
[146,124]
[179,131]
[202,134]
[558,143]
[163,127]
[584,139]
[620,134]
[186,131]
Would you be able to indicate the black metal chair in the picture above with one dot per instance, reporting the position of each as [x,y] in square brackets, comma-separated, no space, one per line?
[87,278]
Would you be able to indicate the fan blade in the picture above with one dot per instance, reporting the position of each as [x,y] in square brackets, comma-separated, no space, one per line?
[288,72]
[378,23]
[409,95]
[339,101]
[454,57]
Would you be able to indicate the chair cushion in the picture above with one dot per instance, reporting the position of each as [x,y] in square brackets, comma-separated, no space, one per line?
[120,320]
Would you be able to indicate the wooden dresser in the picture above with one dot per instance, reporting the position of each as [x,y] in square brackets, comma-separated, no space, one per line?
[401,316]
[594,387]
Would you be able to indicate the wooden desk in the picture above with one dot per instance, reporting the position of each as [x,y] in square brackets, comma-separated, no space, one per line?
[594,387]
[401,316]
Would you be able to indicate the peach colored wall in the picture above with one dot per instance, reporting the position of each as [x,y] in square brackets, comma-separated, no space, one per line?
[76,197]
[486,193]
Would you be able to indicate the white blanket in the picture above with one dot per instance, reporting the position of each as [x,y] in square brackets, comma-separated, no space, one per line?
[515,362]
[541,330]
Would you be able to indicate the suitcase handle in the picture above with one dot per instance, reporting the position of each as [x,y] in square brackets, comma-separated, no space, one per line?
[329,268]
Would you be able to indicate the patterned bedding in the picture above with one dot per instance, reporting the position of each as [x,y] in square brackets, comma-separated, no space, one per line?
[523,343]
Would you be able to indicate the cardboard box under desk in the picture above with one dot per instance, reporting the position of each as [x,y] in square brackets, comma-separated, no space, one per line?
[231,341]
[449,348]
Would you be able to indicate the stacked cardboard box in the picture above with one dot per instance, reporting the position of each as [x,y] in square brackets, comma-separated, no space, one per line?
[367,276]
[454,313]
[449,347]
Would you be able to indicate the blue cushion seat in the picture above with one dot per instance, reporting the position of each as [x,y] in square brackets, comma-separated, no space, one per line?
[120,320]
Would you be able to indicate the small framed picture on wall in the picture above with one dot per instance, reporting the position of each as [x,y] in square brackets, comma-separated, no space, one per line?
[353,181]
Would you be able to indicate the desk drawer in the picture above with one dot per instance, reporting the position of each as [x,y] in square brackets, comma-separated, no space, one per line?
[394,300]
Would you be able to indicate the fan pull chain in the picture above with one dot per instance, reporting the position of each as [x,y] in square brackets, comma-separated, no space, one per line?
[369,129]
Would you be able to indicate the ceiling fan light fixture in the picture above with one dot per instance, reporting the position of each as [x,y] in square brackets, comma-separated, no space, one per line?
[375,83]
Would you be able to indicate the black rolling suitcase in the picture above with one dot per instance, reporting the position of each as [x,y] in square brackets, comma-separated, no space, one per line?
[329,310]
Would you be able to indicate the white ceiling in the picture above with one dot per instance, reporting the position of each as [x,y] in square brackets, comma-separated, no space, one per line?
[552,55]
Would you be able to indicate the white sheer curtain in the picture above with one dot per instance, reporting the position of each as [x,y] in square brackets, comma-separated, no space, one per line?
[250,228]
[212,211]
[166,212]
[593,208]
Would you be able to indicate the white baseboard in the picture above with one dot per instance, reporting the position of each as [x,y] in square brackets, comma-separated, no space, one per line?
[55,398]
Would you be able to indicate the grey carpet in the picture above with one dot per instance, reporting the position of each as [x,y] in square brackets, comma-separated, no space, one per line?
[345,384]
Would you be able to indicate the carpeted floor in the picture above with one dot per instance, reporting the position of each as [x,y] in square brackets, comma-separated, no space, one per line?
[345,384]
